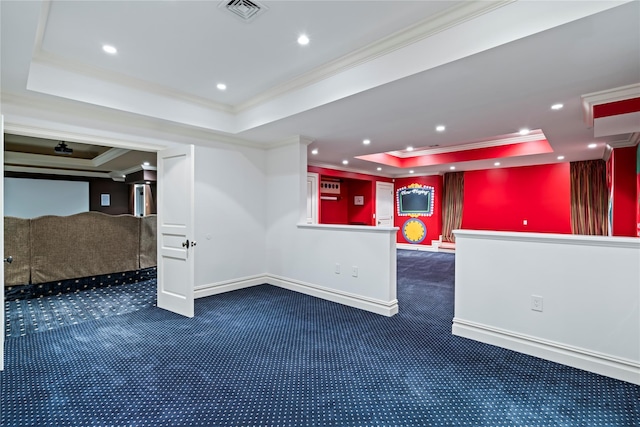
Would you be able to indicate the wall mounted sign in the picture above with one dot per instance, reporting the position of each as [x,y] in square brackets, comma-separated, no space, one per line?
[105,200]
[415,200]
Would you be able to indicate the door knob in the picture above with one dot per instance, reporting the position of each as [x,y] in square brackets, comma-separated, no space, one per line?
[8,260]
[185,244]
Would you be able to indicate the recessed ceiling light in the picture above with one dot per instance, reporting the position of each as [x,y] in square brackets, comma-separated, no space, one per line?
[314,151]
[147,182]
[560,157]
[496,164]
[379,169]
[366,141]
[145,164]
[557,106]
[221,86]
[411,171]
[409,148]
[524,131]
[592,145]
[109,49]
[124,176]
[345,162]
[452,167]
[440,128]
[303,40]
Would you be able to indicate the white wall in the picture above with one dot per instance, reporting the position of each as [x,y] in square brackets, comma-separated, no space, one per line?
[229,216]
[591,297]
[303,257]
[31,198]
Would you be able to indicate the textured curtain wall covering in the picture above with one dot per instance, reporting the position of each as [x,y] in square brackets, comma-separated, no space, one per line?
[452,202]
[589,197]
[148,241]
[83,245]
[17,244]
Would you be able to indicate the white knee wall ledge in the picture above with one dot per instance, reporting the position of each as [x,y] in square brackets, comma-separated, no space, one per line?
[587,287]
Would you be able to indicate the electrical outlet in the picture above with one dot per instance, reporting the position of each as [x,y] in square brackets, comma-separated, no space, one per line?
[354,271]
[524,222]
[337,268]
[536,303]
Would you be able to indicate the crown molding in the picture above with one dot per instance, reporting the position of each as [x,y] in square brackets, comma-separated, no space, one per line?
[82,138]
[631,141]
[171,130]
[423,29]
[534,135]
[606,96]
[108,155]
[353,170]
[50,171]
[29,159]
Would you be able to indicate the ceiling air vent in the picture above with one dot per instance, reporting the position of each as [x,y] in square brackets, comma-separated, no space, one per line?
[246,10]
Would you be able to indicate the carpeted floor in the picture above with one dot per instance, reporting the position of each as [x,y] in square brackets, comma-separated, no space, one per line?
[265,356]
[45,313]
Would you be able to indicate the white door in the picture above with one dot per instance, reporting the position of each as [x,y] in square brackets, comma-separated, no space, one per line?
[384,204]
[175,229]
[312,198]
[2,244]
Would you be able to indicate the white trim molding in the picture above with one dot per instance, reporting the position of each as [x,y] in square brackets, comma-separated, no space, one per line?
[385,308]
[229,285]
[603,364]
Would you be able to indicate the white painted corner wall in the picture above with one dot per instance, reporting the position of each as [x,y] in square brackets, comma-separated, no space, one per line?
[250,215]
[590,289]
[230,224]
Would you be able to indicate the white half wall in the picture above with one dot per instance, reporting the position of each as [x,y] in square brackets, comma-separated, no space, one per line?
[590,290]
[31,198]
[304,257]
[230,223]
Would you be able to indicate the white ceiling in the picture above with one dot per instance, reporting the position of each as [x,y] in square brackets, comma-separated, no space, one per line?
[389,71]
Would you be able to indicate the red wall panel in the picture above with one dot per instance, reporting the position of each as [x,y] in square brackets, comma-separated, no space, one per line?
[433,222]
[625,198]
[501,199]
[344,210]
[361,214]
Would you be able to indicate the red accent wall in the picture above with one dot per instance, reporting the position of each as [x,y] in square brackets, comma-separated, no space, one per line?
[625,198]
[361,214]
[433,222]
[638,187]
[344,210]
[501,199]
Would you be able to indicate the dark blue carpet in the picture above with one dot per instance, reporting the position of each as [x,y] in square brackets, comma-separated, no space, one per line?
[45,313]
[265,356]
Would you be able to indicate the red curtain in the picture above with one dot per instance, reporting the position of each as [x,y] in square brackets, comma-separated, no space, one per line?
[589,197]
[452,202]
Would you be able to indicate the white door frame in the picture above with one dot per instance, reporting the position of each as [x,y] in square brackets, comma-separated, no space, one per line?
[2,244]
[313,197]
[38,132]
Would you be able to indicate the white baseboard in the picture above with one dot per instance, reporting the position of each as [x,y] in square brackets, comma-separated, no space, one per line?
[368,304]
[344,298]
[229,285]
[602,364]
